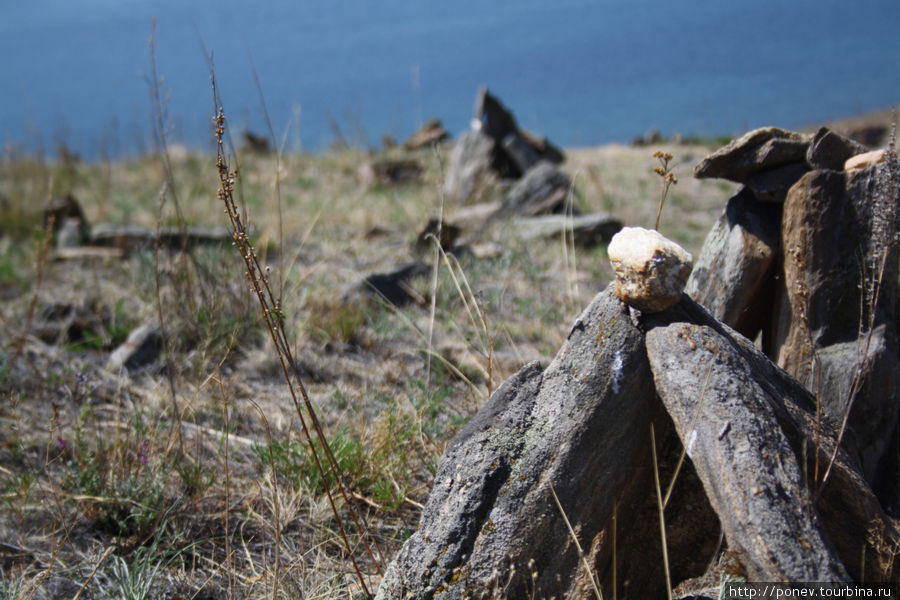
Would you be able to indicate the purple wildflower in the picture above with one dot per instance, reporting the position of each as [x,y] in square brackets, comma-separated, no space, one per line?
[143,452]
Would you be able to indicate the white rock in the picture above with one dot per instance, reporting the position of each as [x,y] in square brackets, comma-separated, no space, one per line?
[651,270]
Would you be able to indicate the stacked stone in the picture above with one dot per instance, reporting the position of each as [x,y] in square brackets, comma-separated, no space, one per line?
[790,261]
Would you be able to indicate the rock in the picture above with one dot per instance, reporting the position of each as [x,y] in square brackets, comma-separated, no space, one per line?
[544,189]
[654,136]
[141,348]
[829,223]
[130,237]
[733,275]
[515,151]
[485,250]
[430,133]
[871,393]
[584,230]
[725,420]
[493,119]
[495,148]
[867,159]
[70,227]
[390,171]
[256,143]
[449,234]
[579,426]
[53,587]
[830,150]
[470,167]
[88,253]
[757,150]
[474,216]
[871,136]
[78,323]
[519,152]
[834,234]
[755,438]
[70,233]
[545,150]
[391,286]
[651,271]
[772,185]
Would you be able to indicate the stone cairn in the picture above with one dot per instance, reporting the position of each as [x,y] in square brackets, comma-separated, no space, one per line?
[790,443]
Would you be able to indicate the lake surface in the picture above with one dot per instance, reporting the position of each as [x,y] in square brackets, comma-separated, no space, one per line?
[582,72]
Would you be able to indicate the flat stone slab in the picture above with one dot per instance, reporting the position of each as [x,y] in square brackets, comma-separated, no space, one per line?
[757,150]
[584,230]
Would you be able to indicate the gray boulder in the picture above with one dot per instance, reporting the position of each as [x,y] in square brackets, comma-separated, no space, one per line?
[762,451]
[578,427]
[724,410]
[543,190]
[469,168]
[733,275]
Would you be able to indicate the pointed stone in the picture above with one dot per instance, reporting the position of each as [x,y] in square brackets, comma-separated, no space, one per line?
[830,150]
[733,274]
[579,428]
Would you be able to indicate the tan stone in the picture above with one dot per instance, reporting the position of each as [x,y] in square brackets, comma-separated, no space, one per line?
[651,270]
[866,159]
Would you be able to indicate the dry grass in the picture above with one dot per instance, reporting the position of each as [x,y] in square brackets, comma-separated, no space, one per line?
[89,459]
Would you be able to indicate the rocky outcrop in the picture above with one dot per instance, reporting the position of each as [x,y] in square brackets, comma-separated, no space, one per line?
[806,274]
[494,148]
[793,475]
[838,257]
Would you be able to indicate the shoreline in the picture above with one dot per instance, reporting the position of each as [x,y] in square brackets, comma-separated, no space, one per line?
[883,118]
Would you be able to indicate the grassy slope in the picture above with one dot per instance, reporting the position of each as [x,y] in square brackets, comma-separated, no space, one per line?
[91,460]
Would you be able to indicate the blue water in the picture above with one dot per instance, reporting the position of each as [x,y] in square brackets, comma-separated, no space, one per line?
[579,71]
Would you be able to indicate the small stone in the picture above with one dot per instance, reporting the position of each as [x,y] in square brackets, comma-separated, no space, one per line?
[866,159]
[651,270]
[829,150]
[141,348]
[431,132]
[543,190]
